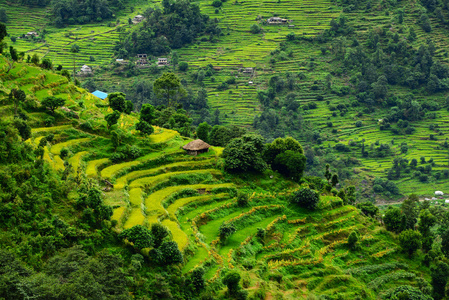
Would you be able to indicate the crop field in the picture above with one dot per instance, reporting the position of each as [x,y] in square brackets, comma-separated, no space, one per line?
[300,251]
[94,40]
[56,149]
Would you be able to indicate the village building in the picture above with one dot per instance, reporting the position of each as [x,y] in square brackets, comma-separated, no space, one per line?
[85,71]
[277,20]
[162,61]
[247,71]
[121,61]
[31,34]
[142,60]
[196,147]
[137,19]
[100,94]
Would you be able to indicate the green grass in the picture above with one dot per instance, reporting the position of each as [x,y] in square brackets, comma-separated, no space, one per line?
[135,197]
[75,160]
[92,165]
[153,202]
[135,218]
[110,171]
[178,235]
[122,181]
[151,181]
[56,149]
[173,208]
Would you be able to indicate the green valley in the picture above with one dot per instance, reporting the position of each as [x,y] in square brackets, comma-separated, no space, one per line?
[289,150]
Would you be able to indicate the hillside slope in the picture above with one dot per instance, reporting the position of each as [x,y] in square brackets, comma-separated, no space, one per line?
[300,253]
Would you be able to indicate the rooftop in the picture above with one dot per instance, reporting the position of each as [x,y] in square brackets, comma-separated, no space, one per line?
[100,94]
[196,145]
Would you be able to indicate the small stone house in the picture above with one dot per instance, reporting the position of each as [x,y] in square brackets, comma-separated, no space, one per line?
[137,19]
[247,71]
[31,34]
[277,20]
[142,60]
[196,147]
[85,71]
[162,61]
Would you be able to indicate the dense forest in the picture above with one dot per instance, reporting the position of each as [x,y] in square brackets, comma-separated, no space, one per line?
[175,24]
[65,12]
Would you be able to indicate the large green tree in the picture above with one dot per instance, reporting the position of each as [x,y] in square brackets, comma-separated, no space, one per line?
[111,119]
[306,198]
[148,113]
[52,103]
[202,132]
[393,219]
[17,96]
[410,241]
[168,87]
[74,50]
[286,156]
[245,154]
[139,235]
[440,277]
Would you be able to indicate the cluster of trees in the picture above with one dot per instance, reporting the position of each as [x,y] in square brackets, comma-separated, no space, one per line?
[402,167]
[178,23]
[35,2]
[418,226]
[249,153]
[163,250]
[66,12]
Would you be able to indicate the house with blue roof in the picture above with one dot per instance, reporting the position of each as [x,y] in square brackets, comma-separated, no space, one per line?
[100,94]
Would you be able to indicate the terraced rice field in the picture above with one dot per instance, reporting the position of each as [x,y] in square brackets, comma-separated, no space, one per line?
[300,251]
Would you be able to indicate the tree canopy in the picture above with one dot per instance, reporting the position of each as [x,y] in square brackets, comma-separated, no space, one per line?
[169,88]
[245,154]
[52,103]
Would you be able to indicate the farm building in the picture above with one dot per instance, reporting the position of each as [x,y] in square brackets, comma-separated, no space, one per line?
[137,19]
[142,60]
[277,20]
[85,71]
[31,34]
[162,61]
[247,71]
[196,147]
[100,94]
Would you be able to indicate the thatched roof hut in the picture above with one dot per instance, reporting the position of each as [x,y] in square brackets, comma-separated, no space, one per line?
[196,147]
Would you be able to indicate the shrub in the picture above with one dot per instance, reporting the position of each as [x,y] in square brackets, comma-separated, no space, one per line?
[64,153]
[217,3]
[226,229]
[353,240]
[49,121]
[242,199]
[410,241]
[255,29]
[183,66]
[358,124]
[306,198]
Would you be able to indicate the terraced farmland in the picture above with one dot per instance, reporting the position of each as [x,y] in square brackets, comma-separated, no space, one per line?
[291,251]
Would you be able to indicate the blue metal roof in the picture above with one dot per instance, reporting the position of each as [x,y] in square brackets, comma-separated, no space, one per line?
[100,94]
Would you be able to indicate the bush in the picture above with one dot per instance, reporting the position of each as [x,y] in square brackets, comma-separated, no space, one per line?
[183,66]
[64,153]
[255,29]
[353,239]
[306,198]
[49,121]
[242,199]
[217,3]
[410,241]
[358,124]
